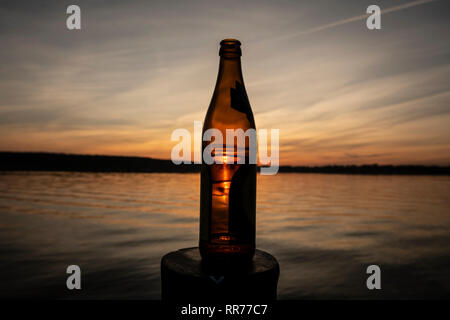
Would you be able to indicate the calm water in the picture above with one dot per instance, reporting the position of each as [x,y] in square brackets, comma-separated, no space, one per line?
[324,230]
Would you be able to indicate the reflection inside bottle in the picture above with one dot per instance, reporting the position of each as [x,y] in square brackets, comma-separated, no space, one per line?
[222,171]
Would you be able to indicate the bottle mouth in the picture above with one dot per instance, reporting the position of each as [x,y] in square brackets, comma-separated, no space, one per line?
[230,48]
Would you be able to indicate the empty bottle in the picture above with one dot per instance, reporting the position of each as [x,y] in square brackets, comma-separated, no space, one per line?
[228,185]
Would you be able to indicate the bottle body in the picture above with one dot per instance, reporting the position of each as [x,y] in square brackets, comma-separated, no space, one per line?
[228,185]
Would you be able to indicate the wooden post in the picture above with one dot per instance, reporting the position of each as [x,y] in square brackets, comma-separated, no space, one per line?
[185,278]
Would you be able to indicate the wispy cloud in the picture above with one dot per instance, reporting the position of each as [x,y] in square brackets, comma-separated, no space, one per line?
[138,70]
[355,18]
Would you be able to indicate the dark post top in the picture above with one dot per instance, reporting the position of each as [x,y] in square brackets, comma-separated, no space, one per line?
[185,277]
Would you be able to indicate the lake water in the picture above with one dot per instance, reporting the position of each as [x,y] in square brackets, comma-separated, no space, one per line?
[323,229]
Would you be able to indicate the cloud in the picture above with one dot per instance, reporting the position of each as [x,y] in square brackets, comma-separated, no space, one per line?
[356,18]
[136,71]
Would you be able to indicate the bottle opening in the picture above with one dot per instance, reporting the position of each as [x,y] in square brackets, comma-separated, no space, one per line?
[230,48]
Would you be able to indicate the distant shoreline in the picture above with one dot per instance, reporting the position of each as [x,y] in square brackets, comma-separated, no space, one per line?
[42,161]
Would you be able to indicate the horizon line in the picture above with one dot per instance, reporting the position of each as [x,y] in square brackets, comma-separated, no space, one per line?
[197,163]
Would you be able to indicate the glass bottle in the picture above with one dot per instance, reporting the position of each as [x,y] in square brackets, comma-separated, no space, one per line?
[228,188]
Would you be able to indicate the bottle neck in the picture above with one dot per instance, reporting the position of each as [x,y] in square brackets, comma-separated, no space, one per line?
[229,72]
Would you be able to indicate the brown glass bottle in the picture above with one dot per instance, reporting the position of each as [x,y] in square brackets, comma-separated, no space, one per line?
[228,189]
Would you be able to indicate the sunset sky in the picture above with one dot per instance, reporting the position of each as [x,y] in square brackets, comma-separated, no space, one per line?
[137,70]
